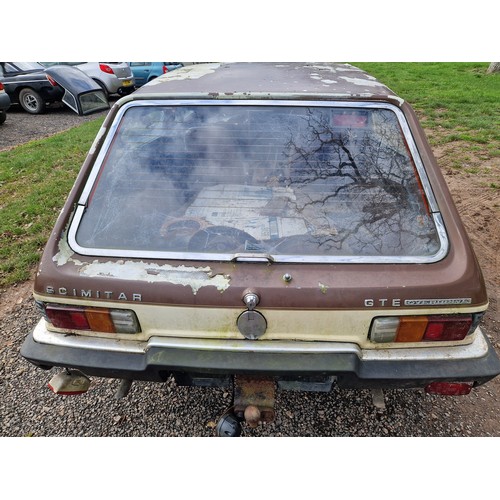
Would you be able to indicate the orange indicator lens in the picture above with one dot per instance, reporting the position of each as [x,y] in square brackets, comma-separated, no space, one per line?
[100,320]
[411,328]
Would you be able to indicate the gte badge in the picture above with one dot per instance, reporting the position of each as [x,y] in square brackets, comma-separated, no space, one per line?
[251,323]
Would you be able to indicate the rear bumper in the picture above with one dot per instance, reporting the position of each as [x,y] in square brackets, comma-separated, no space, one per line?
[352,367]
[4,101]
[126,90]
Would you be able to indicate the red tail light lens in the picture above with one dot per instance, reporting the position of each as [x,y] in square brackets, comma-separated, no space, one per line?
[448,327]
[106,69]
[69,318]
[51,80]
[91,319]
[449,388]
[165,69]
[1,86]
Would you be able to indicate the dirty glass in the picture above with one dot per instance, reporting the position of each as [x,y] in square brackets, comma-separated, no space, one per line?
[273,180]
[93,101]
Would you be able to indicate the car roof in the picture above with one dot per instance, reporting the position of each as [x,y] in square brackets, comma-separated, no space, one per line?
[266,80]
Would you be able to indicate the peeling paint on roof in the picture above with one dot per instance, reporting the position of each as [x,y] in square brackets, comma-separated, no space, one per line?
[323,67]
[348,67]
[365,82]
[315,80]
[186,73]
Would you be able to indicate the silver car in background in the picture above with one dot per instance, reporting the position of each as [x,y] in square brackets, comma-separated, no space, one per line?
[113,77]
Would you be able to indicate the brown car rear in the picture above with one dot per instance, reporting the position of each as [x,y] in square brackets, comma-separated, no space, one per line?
[285,223]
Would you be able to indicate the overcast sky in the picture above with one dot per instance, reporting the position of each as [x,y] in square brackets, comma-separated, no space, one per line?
[223,30]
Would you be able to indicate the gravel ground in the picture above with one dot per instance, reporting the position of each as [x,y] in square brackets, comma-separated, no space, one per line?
[20,124]
[29,408]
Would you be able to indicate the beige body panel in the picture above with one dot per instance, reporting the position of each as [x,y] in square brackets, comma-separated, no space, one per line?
[282,324]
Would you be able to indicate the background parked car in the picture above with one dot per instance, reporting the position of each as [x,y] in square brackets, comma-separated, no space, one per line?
[82,94]
[4,103]
[144,72]
[113,77]
[27,84]
[34,86]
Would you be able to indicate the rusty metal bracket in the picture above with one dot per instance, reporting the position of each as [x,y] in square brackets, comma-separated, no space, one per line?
[254,399]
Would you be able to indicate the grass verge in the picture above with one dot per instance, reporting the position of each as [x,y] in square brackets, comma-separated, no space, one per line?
[35,179]
[455,102]
[459,101]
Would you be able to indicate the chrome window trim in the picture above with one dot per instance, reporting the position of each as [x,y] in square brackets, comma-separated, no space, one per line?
[65,101]
[290,259]
[146,254]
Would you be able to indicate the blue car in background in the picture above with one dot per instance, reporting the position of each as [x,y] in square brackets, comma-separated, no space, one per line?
[144,72]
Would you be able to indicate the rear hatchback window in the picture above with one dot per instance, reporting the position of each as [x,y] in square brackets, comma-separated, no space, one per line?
[293,183]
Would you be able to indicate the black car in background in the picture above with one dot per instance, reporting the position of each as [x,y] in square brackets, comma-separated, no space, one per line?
[33,87]
[4,104]
[28,85]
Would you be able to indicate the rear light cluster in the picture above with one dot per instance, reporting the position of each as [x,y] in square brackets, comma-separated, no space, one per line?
[423,328]
[51,80]
[96,319]
[1,86]
[106,69]
[165,69]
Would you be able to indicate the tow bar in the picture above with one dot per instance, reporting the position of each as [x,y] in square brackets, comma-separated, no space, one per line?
[253,403]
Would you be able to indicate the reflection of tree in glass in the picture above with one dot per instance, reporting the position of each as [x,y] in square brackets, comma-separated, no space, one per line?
[362,180]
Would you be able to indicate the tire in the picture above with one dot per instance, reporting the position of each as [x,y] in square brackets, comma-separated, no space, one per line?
[31,101]
[3,116]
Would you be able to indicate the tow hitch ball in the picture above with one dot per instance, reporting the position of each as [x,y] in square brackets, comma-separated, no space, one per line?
[253,403]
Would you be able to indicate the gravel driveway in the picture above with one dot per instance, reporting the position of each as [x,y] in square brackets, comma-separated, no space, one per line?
[23,127]
[29,408]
